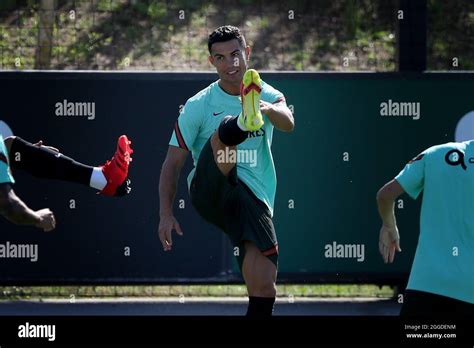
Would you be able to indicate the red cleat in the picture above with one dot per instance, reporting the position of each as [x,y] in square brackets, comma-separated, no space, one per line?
[116,170]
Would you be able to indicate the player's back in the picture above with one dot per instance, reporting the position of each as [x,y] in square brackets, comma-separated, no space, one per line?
[449,187]
[444,261]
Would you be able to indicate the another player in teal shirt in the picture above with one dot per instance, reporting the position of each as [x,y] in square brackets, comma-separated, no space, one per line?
[5,172]
[442,275]
[228,128]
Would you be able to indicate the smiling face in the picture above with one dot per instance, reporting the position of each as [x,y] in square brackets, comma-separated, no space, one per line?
[230,60]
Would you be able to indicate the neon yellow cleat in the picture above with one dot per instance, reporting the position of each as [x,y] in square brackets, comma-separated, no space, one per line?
[250,89]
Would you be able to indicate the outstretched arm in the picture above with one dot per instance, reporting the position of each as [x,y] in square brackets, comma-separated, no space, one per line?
[279,115]
[175,159]
[16,211]
[389,238]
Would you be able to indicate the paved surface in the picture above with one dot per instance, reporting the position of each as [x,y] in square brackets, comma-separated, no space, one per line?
[197,306]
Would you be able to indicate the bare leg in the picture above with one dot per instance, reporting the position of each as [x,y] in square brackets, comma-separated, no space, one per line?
[259,272]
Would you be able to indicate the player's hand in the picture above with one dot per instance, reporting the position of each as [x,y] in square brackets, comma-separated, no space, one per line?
[389,242]
[40,143]
[265,107]
[168,224]
[47,220]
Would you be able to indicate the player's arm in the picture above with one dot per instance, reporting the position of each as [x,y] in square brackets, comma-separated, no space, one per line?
[279,115]
[170,172]
[386,197]
[389,239]
[16,211]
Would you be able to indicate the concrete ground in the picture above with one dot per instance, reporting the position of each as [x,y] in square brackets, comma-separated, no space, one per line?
[200,306]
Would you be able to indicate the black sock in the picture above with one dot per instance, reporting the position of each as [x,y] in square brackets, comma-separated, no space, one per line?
[45,163]
[260,307]
[230,133]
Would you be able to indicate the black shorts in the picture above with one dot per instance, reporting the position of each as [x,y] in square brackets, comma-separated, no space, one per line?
[229,204]
[425,304]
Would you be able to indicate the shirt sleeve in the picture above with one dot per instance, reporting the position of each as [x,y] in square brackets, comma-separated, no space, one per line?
[187,125]
[5,172]
[412,177]
[272,95]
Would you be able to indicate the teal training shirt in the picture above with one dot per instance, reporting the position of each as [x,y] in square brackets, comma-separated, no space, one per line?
[444,259]
[5,173]
[201,117]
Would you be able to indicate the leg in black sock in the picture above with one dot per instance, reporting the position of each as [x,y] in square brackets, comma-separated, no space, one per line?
[230,133]
[260,307]
[46,163]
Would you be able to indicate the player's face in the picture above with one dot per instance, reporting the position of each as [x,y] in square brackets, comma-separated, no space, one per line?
[230,61]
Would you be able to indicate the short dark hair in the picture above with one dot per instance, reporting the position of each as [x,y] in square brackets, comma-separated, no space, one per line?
[225,33]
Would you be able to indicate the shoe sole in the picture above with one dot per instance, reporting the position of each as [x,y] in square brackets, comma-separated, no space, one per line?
[251,87]
[124,148]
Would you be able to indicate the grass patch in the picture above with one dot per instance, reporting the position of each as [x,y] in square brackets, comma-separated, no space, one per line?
[327,290]
[161,36]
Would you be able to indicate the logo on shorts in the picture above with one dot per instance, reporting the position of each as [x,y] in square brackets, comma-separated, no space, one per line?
[217,113]
[456,158]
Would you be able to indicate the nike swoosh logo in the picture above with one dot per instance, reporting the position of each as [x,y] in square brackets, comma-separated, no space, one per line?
[217,113]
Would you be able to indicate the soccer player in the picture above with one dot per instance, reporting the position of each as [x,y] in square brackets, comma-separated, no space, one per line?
[47,162]
[236,196]
[441,280]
